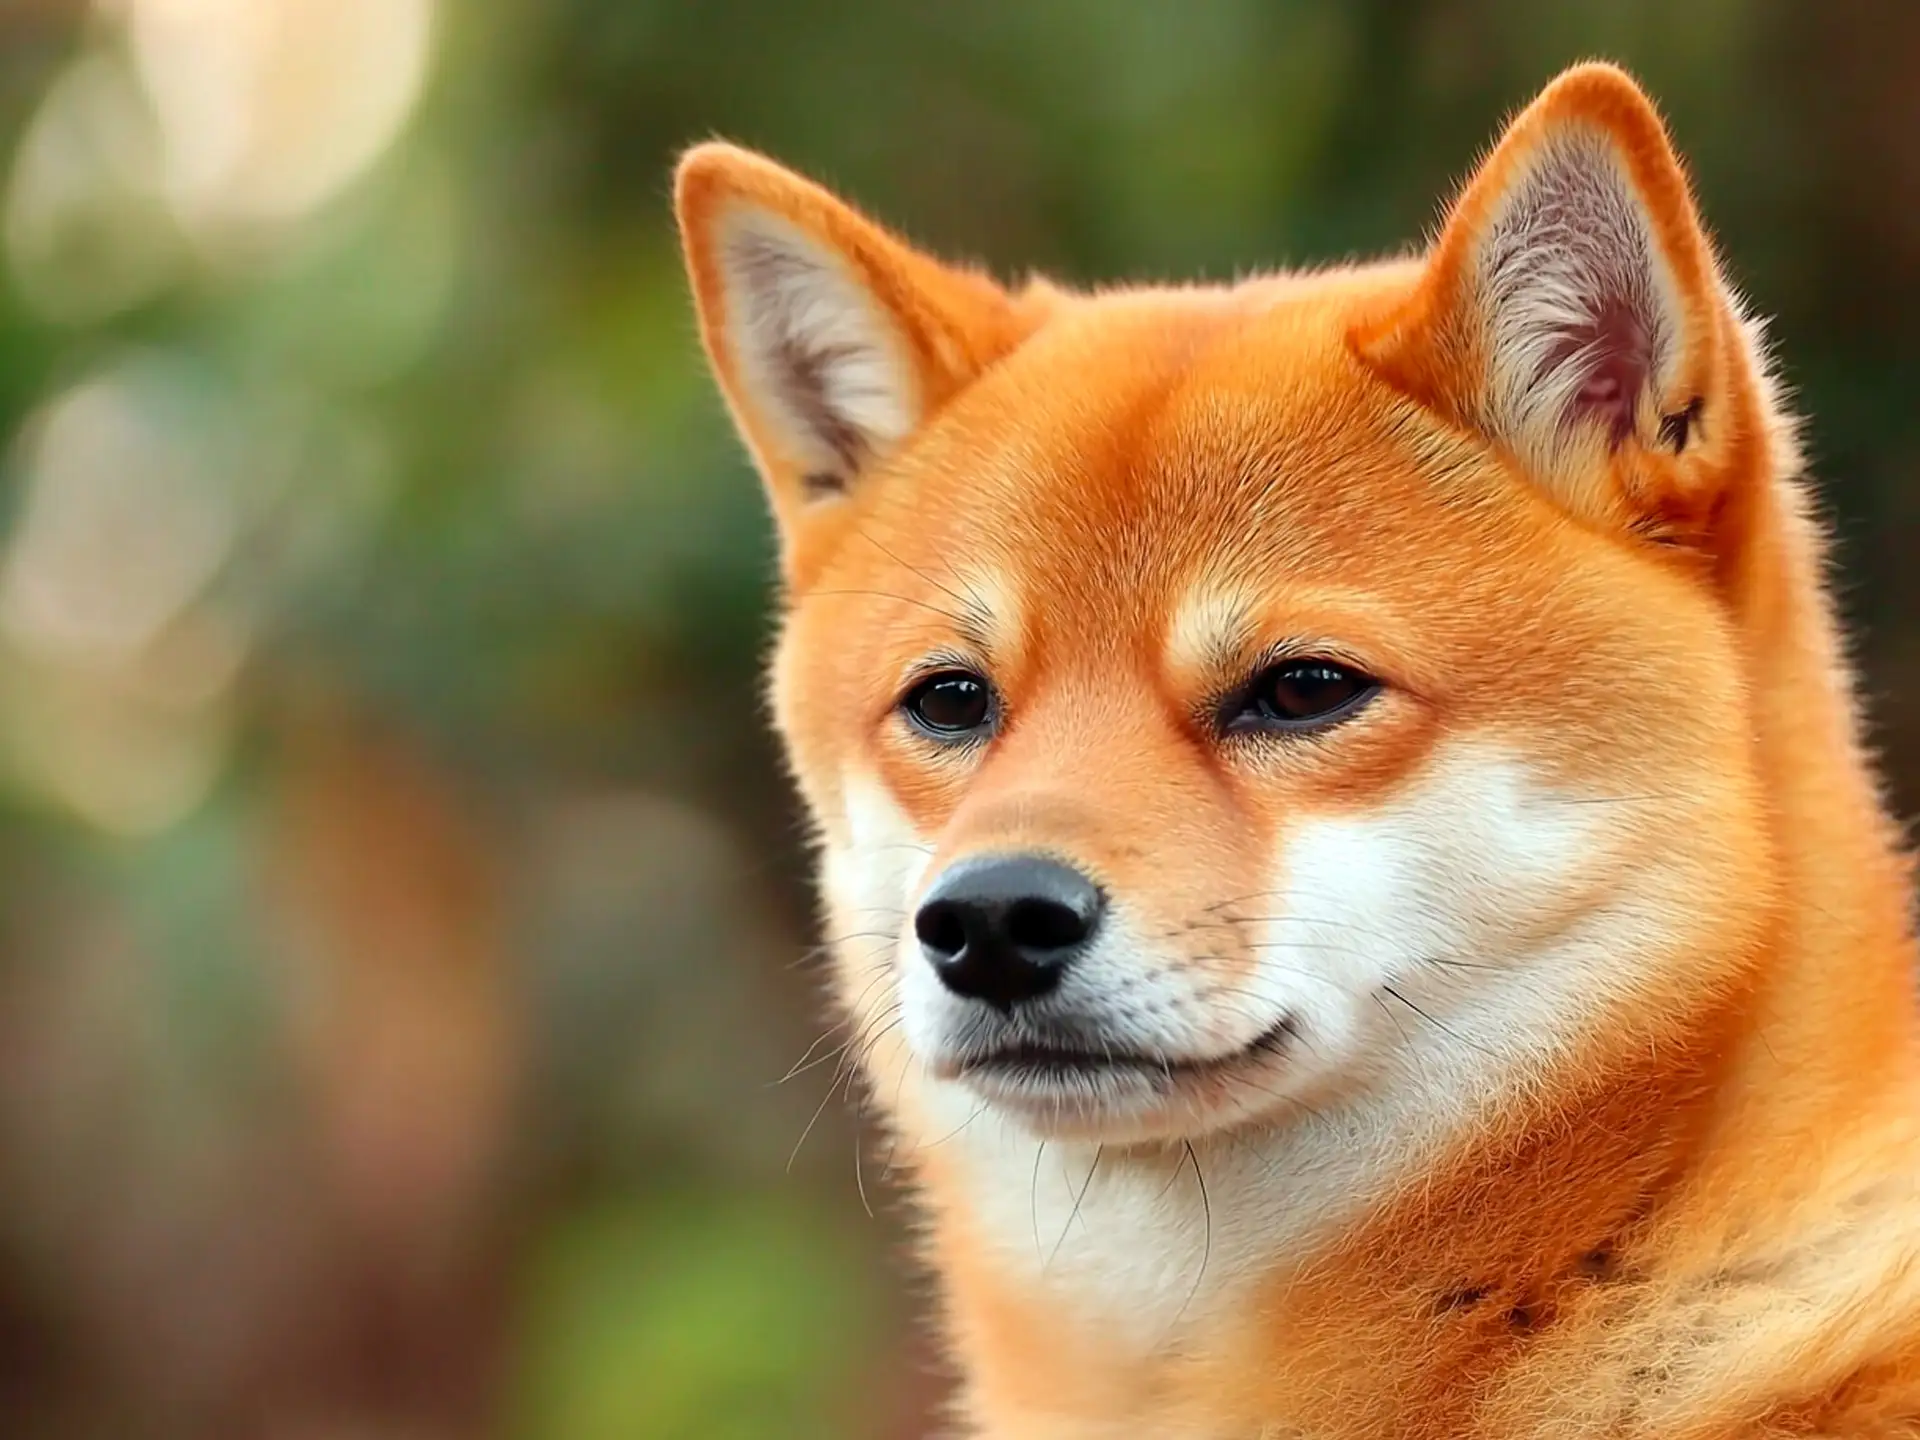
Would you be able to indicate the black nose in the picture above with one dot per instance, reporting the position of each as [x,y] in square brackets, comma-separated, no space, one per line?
[1004,928]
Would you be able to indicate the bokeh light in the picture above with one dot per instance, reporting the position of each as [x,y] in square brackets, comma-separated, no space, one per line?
[268,108]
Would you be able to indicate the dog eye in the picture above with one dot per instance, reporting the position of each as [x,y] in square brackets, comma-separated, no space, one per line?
[950,706]
[1300,695]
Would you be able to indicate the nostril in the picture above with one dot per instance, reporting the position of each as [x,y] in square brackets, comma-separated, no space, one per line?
[1045,925]
[1004,929]
[941,929]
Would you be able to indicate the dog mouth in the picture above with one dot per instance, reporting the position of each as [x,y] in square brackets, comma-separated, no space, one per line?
[1047,1069]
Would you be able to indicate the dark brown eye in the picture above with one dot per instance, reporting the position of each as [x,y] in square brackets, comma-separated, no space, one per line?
[952,705]
[1301,695]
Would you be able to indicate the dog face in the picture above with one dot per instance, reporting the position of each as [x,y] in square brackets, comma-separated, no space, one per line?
[1215,702]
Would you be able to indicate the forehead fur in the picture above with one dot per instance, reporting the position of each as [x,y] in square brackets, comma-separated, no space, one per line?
[1141,434]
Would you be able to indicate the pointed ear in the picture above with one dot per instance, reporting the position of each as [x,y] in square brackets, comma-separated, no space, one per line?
[831,339]
[1572,313]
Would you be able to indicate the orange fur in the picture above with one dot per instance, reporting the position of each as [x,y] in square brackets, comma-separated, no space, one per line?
[1637,1156]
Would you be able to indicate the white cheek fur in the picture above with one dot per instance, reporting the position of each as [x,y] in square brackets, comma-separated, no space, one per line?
[1443,903]
[873,865]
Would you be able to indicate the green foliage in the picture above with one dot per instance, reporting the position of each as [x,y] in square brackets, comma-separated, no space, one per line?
[692,1318]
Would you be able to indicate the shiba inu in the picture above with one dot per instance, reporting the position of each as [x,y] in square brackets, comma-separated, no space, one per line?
[1342,821]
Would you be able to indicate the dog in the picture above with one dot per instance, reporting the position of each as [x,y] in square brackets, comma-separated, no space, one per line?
[1350,860]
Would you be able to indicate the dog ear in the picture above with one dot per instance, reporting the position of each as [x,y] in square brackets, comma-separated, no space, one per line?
[1571,312]
[831,339]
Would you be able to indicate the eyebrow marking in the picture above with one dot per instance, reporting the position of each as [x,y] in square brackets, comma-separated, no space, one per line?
[983,608]
[1211,625]
[988,614]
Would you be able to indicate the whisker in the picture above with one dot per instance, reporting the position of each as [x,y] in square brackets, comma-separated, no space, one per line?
[859,1177]
[1439,1025]
[959,620]
[1447,962]
[1172,1175]
[827,947]
[1206,1209]
[1033,1199]
[804,1063]
[881,974]
[848,1066]
[1607,799]
[1351,927]
[967,599]
[1074,1214]
[979,1110]
[1286,969]
[907,1061]
[1385,1010]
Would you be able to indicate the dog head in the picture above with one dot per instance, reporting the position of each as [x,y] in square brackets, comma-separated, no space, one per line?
[1216,700]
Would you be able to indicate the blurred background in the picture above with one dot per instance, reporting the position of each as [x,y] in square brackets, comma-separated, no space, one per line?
[403,926]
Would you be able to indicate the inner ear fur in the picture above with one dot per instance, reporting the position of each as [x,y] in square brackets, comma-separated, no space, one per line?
[832,339]
[1572,313]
